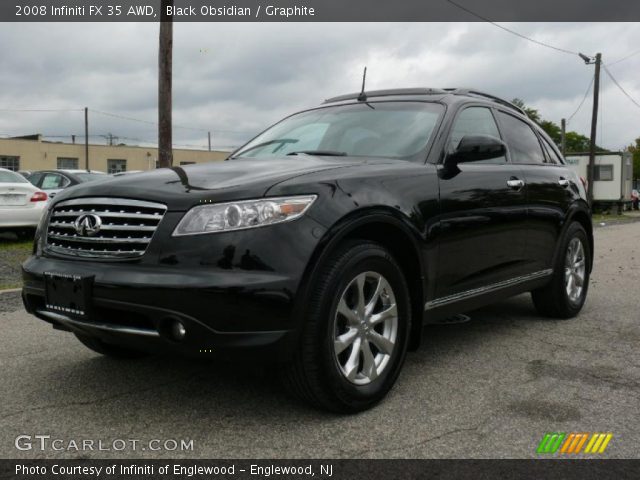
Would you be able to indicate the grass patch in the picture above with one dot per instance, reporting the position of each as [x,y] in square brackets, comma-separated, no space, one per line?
[609,219]
[12,254]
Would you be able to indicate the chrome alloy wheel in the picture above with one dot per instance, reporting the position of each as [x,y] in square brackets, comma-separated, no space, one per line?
[575,268]
[365,328]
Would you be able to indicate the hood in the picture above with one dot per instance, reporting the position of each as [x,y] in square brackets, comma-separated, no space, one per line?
[182,187]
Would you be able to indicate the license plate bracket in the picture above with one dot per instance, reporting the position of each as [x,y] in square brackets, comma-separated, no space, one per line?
[68,294]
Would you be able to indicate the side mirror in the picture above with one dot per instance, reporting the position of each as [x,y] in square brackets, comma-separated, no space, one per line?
[474,148]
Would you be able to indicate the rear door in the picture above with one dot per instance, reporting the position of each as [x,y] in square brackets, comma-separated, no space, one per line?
[550,188]
[483,218]
[53,183]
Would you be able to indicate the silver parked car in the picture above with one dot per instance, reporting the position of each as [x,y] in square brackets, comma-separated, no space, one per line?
[54,181]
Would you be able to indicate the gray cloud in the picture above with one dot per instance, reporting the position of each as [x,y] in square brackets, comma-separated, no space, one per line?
[236,79]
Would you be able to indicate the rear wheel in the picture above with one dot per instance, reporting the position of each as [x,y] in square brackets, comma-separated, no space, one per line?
[356,331]
[565,295]
[108,349]
[25,233]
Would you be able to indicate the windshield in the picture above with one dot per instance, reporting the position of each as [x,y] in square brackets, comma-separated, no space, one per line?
[90,177]
[10,177]
[376,129]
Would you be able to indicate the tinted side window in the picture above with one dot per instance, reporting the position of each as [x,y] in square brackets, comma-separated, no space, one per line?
[553,154]
[474,121]
[35,178]
[52,181]
[522,142]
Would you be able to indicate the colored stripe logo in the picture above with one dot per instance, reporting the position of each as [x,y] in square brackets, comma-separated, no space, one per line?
[573,443]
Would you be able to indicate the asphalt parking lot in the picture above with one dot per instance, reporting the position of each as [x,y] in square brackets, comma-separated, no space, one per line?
[488,388]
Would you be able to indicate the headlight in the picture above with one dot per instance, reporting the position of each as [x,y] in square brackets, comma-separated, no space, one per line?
[41,231]
[226,217]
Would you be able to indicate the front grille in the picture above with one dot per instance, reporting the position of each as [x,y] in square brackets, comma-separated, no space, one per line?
[124,227]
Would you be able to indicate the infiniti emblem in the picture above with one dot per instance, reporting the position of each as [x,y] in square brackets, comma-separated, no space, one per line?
[87,225]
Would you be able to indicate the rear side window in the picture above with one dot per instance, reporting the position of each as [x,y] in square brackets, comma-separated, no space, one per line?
[522,141]
[474,121]
[52,181]
[34,178]
[553,154]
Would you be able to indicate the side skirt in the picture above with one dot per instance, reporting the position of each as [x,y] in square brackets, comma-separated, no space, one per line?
[478,297]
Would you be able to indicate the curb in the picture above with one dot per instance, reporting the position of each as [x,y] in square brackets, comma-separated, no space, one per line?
[10,290]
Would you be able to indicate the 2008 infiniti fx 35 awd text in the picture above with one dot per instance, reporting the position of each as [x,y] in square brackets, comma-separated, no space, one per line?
[324,243]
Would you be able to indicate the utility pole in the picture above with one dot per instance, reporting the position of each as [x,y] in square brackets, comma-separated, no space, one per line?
[594,124]
[165,60]
[86,137]
[563,137]
[209,135]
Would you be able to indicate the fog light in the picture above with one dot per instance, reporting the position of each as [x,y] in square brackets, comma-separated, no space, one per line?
[178,331]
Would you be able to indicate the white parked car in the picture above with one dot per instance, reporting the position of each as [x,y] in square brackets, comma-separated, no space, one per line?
[21,204]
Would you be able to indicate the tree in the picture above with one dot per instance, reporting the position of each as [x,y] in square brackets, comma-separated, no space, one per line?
[165,66]
[575,142]
[553,130]
[532,113]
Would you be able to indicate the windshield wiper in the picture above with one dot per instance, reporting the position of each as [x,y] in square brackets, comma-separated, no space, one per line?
[320,153]
[281,141]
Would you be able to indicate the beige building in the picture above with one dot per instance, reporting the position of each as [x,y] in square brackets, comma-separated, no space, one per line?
[33,153]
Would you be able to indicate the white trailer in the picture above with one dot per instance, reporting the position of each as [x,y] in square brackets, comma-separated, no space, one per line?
[612,177]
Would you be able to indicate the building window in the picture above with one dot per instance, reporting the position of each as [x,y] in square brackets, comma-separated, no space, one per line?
[116,166]
[187,163]
[603,173]
[10,163]
[65,163]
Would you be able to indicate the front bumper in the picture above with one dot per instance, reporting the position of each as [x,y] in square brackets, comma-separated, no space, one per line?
[134,306]
[235,290]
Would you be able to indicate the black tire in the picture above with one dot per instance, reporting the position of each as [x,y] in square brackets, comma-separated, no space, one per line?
[314,374]
[108,349]
[26,233]
[553,300]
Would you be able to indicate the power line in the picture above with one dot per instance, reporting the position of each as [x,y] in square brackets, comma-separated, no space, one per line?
[620,86]
[513,32]
[122,117]
[40,110]
[133,139]
[624,58]
[582,102]
[148,122]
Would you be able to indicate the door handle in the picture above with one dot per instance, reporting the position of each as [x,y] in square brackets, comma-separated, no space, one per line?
[515,183]
[563,182]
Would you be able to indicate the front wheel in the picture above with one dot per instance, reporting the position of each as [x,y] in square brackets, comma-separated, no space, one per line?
[357,325]
[565,295]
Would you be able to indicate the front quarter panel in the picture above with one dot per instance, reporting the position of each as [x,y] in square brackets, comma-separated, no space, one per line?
[406,191]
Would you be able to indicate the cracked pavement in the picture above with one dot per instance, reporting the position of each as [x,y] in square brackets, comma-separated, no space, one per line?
[487,388]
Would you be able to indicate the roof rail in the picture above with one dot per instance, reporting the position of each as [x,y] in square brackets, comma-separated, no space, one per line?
[388,93]
[477,93]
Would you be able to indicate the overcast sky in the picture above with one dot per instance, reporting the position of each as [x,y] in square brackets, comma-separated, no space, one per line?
[236,79]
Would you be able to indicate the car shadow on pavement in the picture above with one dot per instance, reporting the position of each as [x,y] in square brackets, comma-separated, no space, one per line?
[214,388]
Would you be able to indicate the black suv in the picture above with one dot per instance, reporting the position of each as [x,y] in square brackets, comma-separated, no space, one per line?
[324,243]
